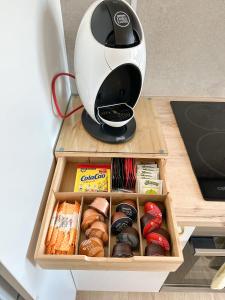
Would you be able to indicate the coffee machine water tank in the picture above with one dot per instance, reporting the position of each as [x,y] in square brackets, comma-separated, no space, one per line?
[109,60]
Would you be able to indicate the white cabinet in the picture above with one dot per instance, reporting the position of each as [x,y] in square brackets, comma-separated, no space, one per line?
[119,281]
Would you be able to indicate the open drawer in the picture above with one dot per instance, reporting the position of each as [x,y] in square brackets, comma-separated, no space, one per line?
[62,190]
[66,168]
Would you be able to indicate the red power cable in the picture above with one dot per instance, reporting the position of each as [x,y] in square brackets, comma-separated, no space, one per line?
[59,112]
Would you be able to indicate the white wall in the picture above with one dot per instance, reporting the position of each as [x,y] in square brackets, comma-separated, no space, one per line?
[32,50]
[185,44]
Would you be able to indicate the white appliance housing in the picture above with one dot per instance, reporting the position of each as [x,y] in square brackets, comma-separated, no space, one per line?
[110,57]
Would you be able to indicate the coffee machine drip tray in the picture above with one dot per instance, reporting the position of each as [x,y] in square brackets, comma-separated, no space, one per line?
[116,113]
[106,133]
[202,127]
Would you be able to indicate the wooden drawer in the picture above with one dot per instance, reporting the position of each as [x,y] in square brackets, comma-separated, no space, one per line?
[62,190]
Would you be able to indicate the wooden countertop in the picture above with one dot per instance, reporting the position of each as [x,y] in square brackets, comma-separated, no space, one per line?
[190,207]
[148,138]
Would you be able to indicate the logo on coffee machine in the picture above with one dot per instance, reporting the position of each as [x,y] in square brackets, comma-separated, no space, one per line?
[221,188]
[121,19]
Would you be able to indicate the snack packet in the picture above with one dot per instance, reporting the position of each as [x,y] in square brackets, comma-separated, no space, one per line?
[92,178]
[150,186]
[61,236]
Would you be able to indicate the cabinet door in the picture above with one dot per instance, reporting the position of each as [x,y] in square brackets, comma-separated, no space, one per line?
[119,281]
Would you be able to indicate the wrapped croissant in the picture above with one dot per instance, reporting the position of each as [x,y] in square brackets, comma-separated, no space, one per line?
[61,236]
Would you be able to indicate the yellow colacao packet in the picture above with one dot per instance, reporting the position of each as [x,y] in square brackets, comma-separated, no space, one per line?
[92,178]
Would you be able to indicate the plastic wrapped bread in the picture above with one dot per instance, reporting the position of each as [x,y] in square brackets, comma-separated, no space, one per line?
[61,236]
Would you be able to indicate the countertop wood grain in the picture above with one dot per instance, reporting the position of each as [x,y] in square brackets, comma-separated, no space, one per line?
[147,141]
[190,207]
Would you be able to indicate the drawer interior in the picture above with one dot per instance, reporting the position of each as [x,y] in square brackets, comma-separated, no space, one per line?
[68,168]
[137,262]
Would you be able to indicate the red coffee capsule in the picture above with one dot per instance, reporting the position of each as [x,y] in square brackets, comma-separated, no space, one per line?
[162,207]
[160,237]
[149,223]
[153,209]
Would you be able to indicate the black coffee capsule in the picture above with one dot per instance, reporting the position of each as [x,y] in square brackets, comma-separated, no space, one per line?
[122,250]
[119,222]
[130,236]
[129,208]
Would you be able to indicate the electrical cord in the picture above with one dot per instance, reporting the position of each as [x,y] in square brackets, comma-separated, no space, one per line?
[56,103]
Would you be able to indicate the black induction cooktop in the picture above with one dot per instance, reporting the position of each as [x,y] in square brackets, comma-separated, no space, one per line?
[202,127]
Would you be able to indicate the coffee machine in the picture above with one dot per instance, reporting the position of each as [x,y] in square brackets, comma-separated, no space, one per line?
[109,61]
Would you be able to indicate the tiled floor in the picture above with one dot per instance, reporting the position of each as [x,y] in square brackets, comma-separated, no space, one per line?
[148,296]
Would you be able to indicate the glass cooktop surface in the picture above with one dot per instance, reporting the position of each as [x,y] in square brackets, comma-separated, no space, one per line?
[202,127]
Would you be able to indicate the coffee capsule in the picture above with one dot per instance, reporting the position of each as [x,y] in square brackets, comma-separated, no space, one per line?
[101,205]
[160,237]
[122,250]
[153,209]
[120,221]
[92,247]
[89,217]
[130,236]
[98,229]
[149,223]
[154,250]
[129,207]
[162,207]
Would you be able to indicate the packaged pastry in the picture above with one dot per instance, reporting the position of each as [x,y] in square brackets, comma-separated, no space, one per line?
[92,178]
[62,231]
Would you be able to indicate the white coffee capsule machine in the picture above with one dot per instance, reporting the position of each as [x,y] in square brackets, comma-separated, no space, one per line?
[110,58]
